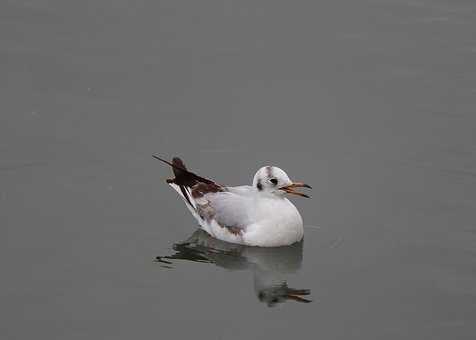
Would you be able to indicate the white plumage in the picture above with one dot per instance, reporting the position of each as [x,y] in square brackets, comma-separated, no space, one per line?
[257,215]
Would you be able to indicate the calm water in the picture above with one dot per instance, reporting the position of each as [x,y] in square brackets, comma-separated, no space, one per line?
[373,103]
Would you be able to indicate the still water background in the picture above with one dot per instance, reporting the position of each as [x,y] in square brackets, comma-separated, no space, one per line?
[371,102]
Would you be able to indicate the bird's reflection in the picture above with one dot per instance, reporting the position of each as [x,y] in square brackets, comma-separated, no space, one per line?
[269,266]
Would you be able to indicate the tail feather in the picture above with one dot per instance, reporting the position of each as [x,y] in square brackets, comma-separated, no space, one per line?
[184,180]
[182,175]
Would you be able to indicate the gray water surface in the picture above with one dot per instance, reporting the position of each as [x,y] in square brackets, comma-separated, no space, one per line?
[371,102]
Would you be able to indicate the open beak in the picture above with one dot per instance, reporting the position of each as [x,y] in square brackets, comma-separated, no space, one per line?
[290,189]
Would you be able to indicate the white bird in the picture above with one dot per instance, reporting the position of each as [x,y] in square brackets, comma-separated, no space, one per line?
[257,215]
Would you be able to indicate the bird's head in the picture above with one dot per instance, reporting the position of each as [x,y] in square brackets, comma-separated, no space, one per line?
[271,179]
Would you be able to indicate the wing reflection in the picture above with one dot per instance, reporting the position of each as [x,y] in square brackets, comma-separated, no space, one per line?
[269,266]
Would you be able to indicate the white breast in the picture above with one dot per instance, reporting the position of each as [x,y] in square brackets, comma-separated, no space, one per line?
[276,222]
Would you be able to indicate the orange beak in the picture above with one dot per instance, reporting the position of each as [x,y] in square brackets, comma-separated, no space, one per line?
[290,189]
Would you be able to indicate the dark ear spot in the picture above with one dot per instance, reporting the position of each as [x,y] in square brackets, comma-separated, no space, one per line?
[259,185]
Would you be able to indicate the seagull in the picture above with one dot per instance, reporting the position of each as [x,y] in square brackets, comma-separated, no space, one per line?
[256,215]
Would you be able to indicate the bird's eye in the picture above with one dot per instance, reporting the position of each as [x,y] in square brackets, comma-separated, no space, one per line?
[274,181]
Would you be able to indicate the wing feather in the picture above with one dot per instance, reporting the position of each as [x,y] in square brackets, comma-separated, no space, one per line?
[228,209]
